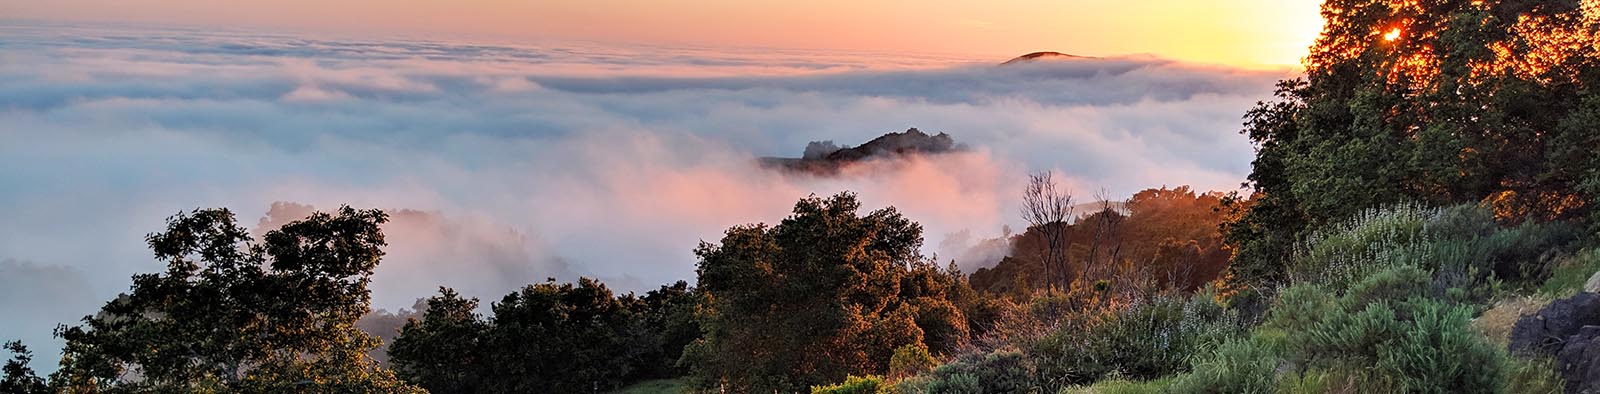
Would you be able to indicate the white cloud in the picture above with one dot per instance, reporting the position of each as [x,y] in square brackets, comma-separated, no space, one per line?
[556,161]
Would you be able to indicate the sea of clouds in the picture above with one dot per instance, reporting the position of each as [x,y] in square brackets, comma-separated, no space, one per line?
[508,164]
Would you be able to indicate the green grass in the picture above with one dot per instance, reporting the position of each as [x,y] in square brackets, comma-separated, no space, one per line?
[659,386]
[1568,278]
[1119,386]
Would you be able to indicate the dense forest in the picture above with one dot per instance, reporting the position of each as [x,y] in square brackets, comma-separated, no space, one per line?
[1430,180]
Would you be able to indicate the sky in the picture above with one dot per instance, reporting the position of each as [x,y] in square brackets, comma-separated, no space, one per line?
[603,144]
[1255,33]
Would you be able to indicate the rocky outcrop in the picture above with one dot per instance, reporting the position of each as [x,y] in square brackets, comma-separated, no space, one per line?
[1579,361]
[1566,330]
[1045,55]
[826,158]
[1546,331]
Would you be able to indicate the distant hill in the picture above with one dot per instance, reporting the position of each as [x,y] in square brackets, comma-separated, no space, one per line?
[1046,55]
[826,158]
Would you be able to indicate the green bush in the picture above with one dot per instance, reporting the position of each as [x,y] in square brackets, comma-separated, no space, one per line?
[1437,352]
[1533,376]
[1147,340]
[1341,253]
[998,372]
[1388,325]
[1238,366]
[1120,386]
[1462,246]
[870,384]
[1569,277]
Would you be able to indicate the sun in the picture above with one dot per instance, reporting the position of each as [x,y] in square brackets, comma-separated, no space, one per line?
[1393,34]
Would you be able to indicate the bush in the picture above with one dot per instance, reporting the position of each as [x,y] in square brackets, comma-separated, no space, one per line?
[1238,366]
[1461,246]
[998,372]
[870,384]
[1533,376]
[910,360]
[1387,324]
[1569,277]
[1120,386]
[1341,253]
[1437,352]
[1147,340]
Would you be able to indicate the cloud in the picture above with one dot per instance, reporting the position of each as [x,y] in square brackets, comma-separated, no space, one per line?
[508,164]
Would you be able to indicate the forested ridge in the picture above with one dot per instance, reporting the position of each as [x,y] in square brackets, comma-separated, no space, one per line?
[1431,178]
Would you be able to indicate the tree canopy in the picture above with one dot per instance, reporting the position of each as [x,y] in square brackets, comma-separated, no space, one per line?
[1433,101]
[823,294]
[233,315]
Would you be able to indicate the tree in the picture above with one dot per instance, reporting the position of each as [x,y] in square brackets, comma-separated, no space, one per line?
[232,315]
[19,378]
[1433,101]
[444,351]
[1047,208]
[566,338]
[547,337]
[824,294]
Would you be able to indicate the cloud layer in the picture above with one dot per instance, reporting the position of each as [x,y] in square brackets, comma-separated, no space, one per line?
[513,164]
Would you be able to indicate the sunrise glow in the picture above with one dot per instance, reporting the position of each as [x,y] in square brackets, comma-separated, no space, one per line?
[1236,32]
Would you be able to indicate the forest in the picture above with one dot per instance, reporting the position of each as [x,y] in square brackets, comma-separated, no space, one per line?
[1427,183]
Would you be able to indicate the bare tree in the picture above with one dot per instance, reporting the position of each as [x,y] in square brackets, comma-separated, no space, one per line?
[1107,238]
[1047,207]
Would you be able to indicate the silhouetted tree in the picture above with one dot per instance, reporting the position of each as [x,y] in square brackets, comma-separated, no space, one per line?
[19,377]
[1047,208]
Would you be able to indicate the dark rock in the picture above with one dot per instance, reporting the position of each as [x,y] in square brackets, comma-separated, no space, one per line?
[1578,361]
[1036,56]
[1547,331]
[827,158]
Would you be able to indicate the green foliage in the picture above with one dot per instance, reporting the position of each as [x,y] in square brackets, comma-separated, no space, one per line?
[998,372]
[870,384]
[1238,366]
[658,386]
[443,351]
[1119,386]
[1146,340]
[824,294]
[1534,376]
[231,315]
[1462,246]
[1571,275]
[1344,252]
[910,360]
[19,378]
[561,337]
[1439,353]
[1442,114]
[1389,323]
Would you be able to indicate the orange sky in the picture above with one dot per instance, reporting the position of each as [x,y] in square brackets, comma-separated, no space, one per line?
[1237,32]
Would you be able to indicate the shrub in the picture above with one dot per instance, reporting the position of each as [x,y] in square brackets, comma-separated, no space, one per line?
[998,372]
[1437,352]
[870,384]
[1120,386]
[1569,277]
[1238,366]
[1341,253]
[1146,340]
[910,360]
[1533,376]
[1390,327]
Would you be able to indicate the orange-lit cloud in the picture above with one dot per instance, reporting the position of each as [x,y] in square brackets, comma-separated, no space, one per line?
[1237,32]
